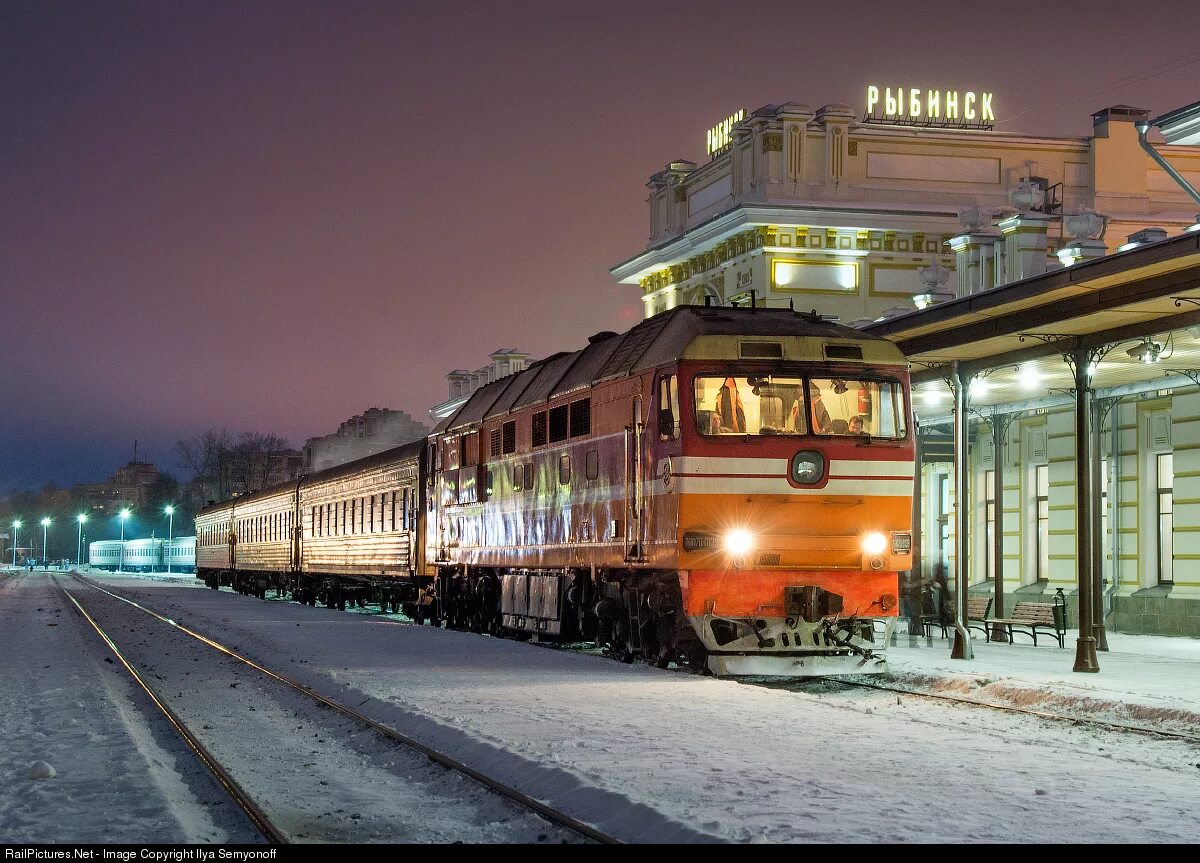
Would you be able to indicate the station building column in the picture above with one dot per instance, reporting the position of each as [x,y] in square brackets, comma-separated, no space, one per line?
[1085,649]
[962,638]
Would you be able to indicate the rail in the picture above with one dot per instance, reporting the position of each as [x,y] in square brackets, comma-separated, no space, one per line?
[549,813]
[261,822]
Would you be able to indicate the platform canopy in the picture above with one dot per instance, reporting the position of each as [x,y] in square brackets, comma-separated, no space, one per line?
[1139,311]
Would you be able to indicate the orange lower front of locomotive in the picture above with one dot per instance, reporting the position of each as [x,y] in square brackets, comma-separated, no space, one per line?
[781,622]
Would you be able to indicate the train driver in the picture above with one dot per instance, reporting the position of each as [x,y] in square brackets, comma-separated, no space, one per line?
[856,425]
[729,415]
[820,415]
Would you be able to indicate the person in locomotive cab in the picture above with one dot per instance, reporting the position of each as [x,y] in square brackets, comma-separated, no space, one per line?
[856,425]
[822,424]
[729,415]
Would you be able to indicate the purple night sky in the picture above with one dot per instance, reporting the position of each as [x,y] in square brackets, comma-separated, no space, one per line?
[270,216]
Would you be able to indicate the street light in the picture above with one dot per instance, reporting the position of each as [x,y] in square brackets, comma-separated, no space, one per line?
[81,518]
[45,554]
[16,527]
[170,511]
[124,514]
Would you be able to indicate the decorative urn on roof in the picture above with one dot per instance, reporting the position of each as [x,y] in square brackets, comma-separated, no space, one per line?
[1028,195]
[1086,224]
[933,279]
[975,218]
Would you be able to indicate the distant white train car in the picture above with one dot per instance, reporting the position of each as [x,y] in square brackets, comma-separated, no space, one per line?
[180,554]
[144,555]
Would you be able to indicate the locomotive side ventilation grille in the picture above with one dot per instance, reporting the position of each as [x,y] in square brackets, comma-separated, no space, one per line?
[760,350]
[843,352]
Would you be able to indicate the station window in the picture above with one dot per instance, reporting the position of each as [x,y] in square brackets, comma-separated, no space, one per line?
[1166,517]
[1042,536]
[989,523]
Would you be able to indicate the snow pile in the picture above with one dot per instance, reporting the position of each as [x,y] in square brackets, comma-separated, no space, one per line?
[41,770]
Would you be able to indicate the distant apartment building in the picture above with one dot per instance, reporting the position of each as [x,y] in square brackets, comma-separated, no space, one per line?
[504,362]
[372,431]
[131,486]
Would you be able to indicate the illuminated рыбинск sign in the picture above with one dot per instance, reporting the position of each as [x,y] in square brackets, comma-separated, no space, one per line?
[720,136]
[915,104]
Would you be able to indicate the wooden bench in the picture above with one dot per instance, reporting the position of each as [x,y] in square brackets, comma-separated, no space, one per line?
[978,608]
[1029,617]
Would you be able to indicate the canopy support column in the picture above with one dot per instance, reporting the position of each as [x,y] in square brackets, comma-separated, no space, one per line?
[1085,648]
[962,638]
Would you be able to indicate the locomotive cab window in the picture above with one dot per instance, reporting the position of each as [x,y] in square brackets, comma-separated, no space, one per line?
[872,408]
[668,408]
[773,405]
[754,405]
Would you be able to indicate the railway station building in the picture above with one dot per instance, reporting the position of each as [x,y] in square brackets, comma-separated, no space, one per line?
[1046,290]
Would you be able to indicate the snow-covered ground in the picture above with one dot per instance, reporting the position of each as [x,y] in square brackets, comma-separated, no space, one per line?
[661,755]
[121,774]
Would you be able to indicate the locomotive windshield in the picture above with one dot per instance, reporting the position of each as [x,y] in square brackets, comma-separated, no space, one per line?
[774,405]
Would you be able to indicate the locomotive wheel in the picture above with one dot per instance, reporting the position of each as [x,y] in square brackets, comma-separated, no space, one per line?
[697,658]
[622,652]
[664,656]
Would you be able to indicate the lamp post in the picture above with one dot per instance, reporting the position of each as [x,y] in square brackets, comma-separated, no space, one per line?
[170,511]
[81,518]
[45,532]
[124,514]
[16,527]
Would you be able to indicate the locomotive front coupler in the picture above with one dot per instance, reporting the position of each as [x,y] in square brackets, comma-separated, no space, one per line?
[837,625]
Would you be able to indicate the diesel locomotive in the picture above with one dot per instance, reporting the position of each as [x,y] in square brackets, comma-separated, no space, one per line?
[724,488]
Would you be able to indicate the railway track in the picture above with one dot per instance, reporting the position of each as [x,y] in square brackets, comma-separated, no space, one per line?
[523,800]
[1008,708]
[973,702]
[253,811]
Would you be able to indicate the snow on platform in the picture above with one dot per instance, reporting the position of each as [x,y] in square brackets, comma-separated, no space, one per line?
[668,756]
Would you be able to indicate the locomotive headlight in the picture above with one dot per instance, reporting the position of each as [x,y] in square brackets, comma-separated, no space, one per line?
[874,543]
[739,542]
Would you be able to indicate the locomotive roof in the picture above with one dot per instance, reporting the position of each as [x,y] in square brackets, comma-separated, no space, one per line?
[657,340]
[399,453]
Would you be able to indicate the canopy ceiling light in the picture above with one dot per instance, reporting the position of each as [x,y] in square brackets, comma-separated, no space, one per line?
[1146,352]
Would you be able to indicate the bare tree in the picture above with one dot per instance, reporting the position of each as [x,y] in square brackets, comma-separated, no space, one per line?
[224,465]
[202,455]
[258,460]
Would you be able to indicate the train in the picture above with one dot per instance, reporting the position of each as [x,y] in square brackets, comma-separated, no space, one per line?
[725,489]
[144,555]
